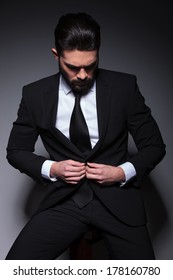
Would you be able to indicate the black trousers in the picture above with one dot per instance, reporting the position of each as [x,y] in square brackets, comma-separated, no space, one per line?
[49,233]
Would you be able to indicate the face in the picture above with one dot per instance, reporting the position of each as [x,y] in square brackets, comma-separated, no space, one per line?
[79,68]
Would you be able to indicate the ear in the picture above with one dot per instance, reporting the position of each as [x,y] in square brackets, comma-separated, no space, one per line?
[54,51]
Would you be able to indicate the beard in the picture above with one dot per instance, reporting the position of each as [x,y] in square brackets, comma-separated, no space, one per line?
[79,86]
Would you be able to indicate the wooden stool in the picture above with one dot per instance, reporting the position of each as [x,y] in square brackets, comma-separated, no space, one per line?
[82,248]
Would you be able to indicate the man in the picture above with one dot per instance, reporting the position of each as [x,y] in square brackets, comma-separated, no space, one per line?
[91,179]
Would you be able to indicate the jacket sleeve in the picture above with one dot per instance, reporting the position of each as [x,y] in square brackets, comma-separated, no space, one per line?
[146,135]
[21,144]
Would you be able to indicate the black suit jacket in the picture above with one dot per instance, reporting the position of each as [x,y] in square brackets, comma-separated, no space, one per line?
[121,110]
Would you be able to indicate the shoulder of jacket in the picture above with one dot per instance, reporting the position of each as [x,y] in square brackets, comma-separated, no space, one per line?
[43,83]
[118,74]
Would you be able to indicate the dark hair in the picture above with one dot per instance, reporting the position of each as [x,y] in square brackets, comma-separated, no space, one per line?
[77,31]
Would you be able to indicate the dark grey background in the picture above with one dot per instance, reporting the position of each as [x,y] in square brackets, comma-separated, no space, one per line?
[136,38]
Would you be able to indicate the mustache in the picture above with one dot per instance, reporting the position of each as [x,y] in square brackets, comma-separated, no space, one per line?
[82,83]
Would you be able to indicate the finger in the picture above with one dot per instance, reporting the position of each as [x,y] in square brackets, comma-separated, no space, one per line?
[74,180]
[76,169]
[76,163]
[92,176]
[71,182]
[70,174]
[94,165]
[71,168]
[94,171]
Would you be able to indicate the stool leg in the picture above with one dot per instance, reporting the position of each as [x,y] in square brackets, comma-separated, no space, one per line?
[81,250]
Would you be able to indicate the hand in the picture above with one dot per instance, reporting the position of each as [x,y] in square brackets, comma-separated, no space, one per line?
[69,171]
[104,174]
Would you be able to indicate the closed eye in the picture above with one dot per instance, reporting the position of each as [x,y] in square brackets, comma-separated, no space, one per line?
[77,69]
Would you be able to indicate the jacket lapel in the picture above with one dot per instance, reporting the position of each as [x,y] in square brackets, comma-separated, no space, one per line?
[103,108]
[103,99]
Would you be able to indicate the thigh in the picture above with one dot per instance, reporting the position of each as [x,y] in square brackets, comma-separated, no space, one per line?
[47,235]
[123,241]
[129,243]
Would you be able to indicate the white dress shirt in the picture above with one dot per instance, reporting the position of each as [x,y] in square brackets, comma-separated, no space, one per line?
[88,105]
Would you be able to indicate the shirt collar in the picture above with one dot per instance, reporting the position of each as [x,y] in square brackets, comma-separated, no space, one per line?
[66,89]
[64,86]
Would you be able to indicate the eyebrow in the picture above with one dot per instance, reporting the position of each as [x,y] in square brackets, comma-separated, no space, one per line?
[86,67]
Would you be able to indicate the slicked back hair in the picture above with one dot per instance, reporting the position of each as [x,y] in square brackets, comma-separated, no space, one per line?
[77,32]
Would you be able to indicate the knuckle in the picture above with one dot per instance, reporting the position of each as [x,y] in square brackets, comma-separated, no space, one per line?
[66,168]
[65,174]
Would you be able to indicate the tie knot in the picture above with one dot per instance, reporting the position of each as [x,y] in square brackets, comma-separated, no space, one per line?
[77,97]
[77,94]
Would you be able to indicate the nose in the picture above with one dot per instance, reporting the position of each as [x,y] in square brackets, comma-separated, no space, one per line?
[82,74]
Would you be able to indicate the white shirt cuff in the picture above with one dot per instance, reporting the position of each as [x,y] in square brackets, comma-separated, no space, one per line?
[129,171]
[45,170]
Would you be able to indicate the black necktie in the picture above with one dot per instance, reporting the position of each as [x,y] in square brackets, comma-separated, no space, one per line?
[79,135]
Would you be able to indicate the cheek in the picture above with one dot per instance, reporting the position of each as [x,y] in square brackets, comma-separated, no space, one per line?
[71,75]
[68,74]
[91,75]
